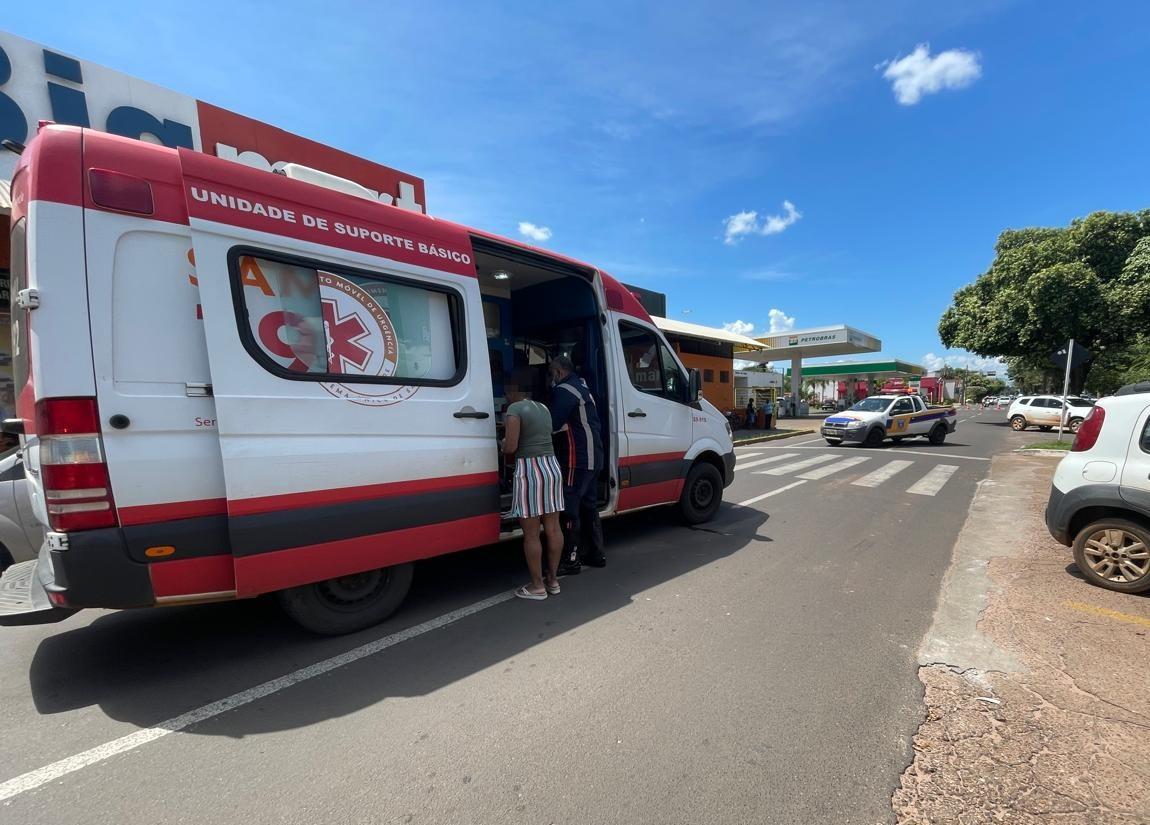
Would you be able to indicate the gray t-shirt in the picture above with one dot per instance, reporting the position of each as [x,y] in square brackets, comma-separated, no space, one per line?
[534,429]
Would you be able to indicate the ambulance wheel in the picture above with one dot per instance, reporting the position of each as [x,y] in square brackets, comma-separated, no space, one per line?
[937,435]
[875,437]
[702,493]
[348,603]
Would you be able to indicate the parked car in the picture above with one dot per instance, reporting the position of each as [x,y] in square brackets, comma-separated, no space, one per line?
[1100,496]
[20,533]
[1043,411]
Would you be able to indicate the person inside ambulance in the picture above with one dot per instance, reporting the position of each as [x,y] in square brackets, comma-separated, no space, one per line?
[575,420]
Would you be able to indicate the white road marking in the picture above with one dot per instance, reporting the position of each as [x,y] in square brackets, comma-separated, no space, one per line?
[933,481]
[746,455]
[830,469]
[50,773]
[882,474]
[786,469]
[901,451]
[762,461]
[751,501]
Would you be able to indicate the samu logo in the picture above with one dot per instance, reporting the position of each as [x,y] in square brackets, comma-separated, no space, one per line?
[68,104]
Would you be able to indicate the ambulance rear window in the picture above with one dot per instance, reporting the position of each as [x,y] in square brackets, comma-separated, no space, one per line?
[309,320]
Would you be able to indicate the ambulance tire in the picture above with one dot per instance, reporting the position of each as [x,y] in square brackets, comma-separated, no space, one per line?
[875,437]
[937,435]
[348,603]
[702,493]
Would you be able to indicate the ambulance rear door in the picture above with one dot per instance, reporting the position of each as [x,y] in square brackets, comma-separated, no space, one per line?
[350,374]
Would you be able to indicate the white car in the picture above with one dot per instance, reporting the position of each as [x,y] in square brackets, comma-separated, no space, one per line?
[1044,411]
[20,533]
[1100,496]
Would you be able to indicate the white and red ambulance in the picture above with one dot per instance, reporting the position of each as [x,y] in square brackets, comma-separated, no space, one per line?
[232,382]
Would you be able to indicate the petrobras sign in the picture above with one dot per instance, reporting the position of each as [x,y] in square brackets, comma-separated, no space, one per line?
[38,83]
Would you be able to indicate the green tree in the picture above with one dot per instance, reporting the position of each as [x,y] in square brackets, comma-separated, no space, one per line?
[1089,281]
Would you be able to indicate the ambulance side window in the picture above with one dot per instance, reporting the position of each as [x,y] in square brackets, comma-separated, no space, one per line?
[306,320]
[650,366]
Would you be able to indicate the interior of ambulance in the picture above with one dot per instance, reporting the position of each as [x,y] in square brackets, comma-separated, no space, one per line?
[534,309]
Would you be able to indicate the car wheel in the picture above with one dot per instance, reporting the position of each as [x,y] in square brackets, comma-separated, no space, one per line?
[1115,554]
[937,435]
[702,494]
[875,437]
[1018,423]
[1075,423]
[348,603]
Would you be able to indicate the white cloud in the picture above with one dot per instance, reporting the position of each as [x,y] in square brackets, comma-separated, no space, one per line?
[535,233]
[918,74]
[780,321]
[740,327]
[934,362]
[775,224]
[736,226]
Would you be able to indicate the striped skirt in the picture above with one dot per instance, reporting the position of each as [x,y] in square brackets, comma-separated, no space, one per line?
[538,487]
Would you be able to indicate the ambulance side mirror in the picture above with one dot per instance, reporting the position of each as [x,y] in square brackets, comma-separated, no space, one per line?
[694,385]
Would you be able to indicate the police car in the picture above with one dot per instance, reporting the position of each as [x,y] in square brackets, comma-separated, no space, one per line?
[898,416]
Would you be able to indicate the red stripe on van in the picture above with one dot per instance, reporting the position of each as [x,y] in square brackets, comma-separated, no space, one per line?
[184,577]
[662,492]
[170,511]
[632,460]
[343,495]
[266,572]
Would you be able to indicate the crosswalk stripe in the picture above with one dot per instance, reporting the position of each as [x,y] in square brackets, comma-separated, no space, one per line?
[762,461]
[746,455]
[882,474]
[797,465]
[933,481]
[830,469]
[771,493]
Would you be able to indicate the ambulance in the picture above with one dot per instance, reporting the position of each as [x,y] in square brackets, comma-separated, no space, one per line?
[232,382]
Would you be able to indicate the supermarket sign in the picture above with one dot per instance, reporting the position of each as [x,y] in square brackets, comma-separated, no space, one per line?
[38,83]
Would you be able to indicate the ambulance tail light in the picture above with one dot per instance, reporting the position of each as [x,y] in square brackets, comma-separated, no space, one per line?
[1088,432]
[77,491]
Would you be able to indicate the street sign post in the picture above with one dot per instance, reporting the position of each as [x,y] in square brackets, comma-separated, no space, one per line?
[1069,355]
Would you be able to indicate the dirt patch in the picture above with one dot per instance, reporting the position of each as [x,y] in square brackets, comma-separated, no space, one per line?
[1066,737]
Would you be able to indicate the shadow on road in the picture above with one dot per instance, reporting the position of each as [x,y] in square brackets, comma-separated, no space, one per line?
[146,666]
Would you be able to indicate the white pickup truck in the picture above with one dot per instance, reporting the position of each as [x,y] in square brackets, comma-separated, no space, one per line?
[875,419]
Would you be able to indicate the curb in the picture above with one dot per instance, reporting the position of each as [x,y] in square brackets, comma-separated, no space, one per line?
[1051,453]
[777,436]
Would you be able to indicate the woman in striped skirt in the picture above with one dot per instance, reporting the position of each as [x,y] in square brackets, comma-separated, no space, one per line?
[538,489]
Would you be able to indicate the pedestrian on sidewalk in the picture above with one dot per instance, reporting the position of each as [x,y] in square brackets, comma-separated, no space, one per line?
[575,419]
[537,494]
[750,422]
[768,411]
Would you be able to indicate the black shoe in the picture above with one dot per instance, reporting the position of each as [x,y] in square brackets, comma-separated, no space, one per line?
[596,561]
[566,569]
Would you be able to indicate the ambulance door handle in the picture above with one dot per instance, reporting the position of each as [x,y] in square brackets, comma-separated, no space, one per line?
[636,414]
[467,412]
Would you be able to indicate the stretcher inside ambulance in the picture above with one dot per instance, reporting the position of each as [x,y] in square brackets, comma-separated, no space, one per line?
[232,382]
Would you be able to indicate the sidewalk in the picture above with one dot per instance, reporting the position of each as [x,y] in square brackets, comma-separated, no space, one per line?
[1036,686]
[783,428]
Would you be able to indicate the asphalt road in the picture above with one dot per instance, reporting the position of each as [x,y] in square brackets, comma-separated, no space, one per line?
[758,669]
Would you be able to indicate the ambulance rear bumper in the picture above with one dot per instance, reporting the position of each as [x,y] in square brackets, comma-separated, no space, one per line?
[94,571]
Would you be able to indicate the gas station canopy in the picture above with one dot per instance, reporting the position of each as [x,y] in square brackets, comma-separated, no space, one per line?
[811,343]
[814,343]
[863,371]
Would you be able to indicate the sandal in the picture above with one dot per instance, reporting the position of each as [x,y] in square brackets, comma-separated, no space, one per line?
[552,589]
[524,593]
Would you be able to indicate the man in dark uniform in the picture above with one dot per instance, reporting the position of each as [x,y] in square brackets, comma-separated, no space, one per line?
[576,421]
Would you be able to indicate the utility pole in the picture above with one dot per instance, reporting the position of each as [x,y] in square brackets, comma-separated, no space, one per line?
[1065,386]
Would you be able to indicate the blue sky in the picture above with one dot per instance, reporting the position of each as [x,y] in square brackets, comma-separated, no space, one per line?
[634,132]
